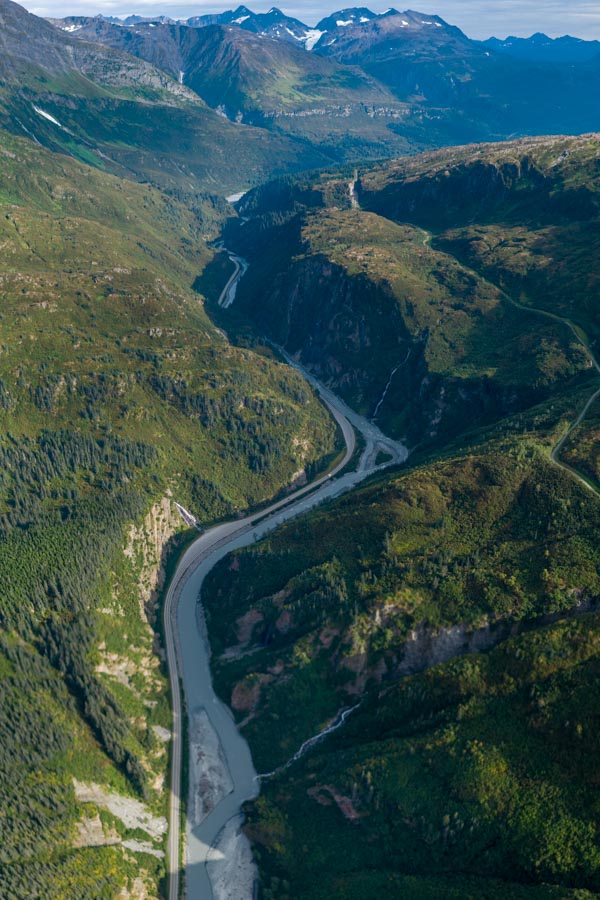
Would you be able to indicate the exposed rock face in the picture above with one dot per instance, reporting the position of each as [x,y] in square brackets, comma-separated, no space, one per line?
[33,41]
[471,188]
[148,543]
[92,833]
[359,338]
[129,662]
[132,813]
[137,891]
[426,647]
[325,319]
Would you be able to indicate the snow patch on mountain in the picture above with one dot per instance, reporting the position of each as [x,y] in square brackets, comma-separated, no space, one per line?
[46,115]
[313,37]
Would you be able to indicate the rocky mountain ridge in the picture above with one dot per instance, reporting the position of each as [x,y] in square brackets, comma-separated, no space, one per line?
[540,47]
[276,25]
[118,112]
[444,87]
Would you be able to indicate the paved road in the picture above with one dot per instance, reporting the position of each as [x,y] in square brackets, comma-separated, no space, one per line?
[229,291]
[582,338]
[187,651]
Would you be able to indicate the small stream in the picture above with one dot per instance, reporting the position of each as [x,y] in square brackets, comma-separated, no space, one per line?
[389,384]
[312,742]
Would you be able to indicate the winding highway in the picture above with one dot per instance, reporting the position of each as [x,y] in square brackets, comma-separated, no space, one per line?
[187,650]
[582,339]
[188,654]
[229,291]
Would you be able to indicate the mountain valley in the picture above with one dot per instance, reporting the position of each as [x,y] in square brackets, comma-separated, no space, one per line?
[420,233]
[444,772]
[415,81]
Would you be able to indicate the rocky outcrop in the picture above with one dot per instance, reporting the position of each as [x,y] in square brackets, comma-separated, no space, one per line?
[426,647]
[127,659]
[332,323]
[35,42]
[133,814]
[147,546]
[451,190]
[361,337]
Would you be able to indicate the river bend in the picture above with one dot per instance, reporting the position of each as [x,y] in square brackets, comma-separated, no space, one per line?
[217,859]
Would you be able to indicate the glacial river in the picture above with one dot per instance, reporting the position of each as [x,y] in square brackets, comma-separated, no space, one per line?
[218,862]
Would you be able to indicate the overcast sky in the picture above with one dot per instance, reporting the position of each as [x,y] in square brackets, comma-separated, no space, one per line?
[478,18]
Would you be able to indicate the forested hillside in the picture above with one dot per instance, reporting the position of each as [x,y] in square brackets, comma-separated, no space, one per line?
[117,398]
[468,276]
[448,606]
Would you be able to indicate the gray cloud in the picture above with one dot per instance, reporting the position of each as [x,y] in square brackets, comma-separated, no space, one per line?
[478,18]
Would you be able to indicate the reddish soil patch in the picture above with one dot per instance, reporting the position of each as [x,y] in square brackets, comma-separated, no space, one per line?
[245,696]
[284,622]
[344,804]
[245,625]
[327,636]
[358,665]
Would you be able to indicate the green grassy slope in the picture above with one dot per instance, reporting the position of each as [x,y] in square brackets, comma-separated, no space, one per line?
[453,773]
[525,215]
[338,109]
[582,450]
[116,394]
[476,779]
[492,535]
[433,301]
[124,115]
[469,777]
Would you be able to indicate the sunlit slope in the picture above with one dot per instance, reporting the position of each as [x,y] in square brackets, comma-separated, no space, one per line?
[125,115]
[117,398]
[497,753]
[476,779]
[337,109]
[458,305]
[416,316]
